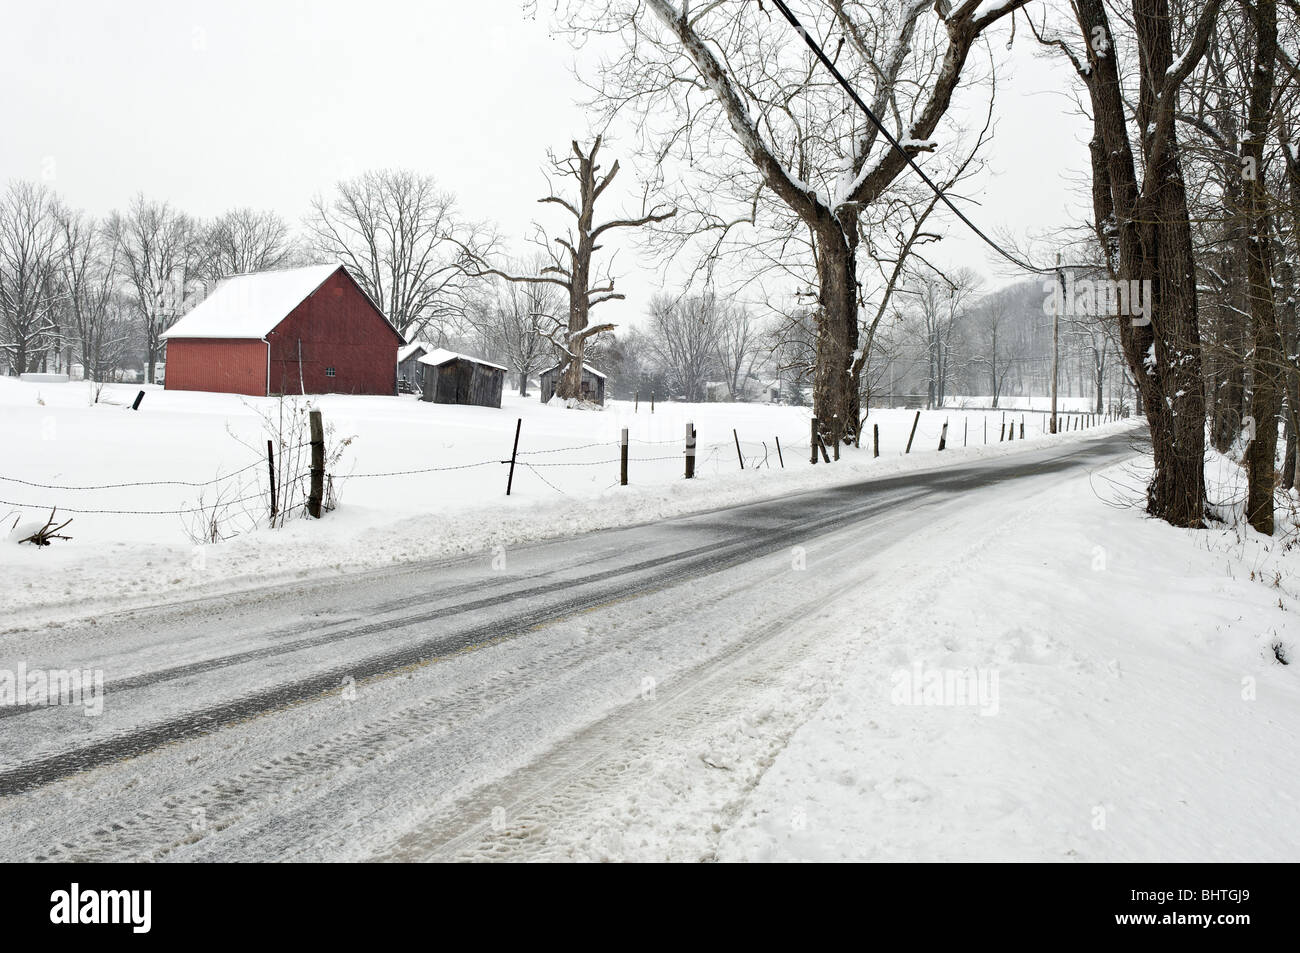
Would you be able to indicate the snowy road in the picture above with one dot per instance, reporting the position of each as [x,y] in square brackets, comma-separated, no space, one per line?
[483,707]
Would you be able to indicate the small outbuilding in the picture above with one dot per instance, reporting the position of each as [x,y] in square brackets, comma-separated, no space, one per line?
[410,372]
[451,378]
[593,383]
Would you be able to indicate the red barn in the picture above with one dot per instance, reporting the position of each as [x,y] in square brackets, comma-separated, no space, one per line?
[297,331]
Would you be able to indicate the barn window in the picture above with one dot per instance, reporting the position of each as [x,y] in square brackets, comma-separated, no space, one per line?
[329,372]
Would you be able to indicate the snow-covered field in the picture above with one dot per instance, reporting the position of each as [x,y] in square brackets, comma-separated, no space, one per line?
[54,435]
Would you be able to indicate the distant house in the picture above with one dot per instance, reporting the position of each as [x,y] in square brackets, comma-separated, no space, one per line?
[300,330]
[410,372]
[451,378]
[593,383]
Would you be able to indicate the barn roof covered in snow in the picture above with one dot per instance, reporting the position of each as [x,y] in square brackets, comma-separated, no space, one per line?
[252,305]
[404,353]
[440,355]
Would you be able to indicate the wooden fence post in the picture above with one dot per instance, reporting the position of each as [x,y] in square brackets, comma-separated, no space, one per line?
[778,452]
[270,470]
[1002,434]
[652,402]
[943,436]
[812,442]
[138,397]
[690,451]
[623,464]
[965,430]
[739,457]
[915,420]
[510,480]
[317,464]
[1022,426]
[875,440]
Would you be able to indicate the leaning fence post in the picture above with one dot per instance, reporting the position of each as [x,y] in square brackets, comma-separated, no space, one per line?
[915,420]
[943,436]
[513,454]
[317,464]
[690,451]
[965,430]
[739,456]
[778,452]
[623,463]
[270,470]
[138,397]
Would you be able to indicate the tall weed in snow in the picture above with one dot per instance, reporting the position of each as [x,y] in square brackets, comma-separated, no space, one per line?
[244,503]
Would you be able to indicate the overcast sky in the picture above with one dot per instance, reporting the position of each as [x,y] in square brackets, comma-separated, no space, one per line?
[265,103]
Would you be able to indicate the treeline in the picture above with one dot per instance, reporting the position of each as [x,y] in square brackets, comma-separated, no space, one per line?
[99,292]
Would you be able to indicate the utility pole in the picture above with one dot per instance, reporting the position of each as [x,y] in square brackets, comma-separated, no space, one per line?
[1056,333]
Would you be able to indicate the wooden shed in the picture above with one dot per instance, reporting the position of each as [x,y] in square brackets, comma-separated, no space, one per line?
[593,383]
[451,378]
[410,372]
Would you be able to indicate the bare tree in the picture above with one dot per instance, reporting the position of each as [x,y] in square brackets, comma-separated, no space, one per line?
[738,345]
[516,321]
[994,348]
[89,277]
[792,342]
[941,303]
[29,249]
[1141,218]
[782,140]
[570,266]
[682,333]
[157,248]
[244,240]
[405,242]
[1267,377]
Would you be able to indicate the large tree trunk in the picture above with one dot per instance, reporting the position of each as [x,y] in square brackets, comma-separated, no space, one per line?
[836,398]
[1266,389]
[1290,367]
[1147,229]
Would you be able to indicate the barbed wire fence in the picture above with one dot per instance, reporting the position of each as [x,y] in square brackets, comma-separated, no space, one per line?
[236,489]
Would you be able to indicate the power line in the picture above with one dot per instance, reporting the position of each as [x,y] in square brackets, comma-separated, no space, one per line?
[939,193]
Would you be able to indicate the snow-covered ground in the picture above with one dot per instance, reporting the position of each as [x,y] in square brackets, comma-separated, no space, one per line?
[1126,703]
[1139,709]
[55,435]
[1002,661]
